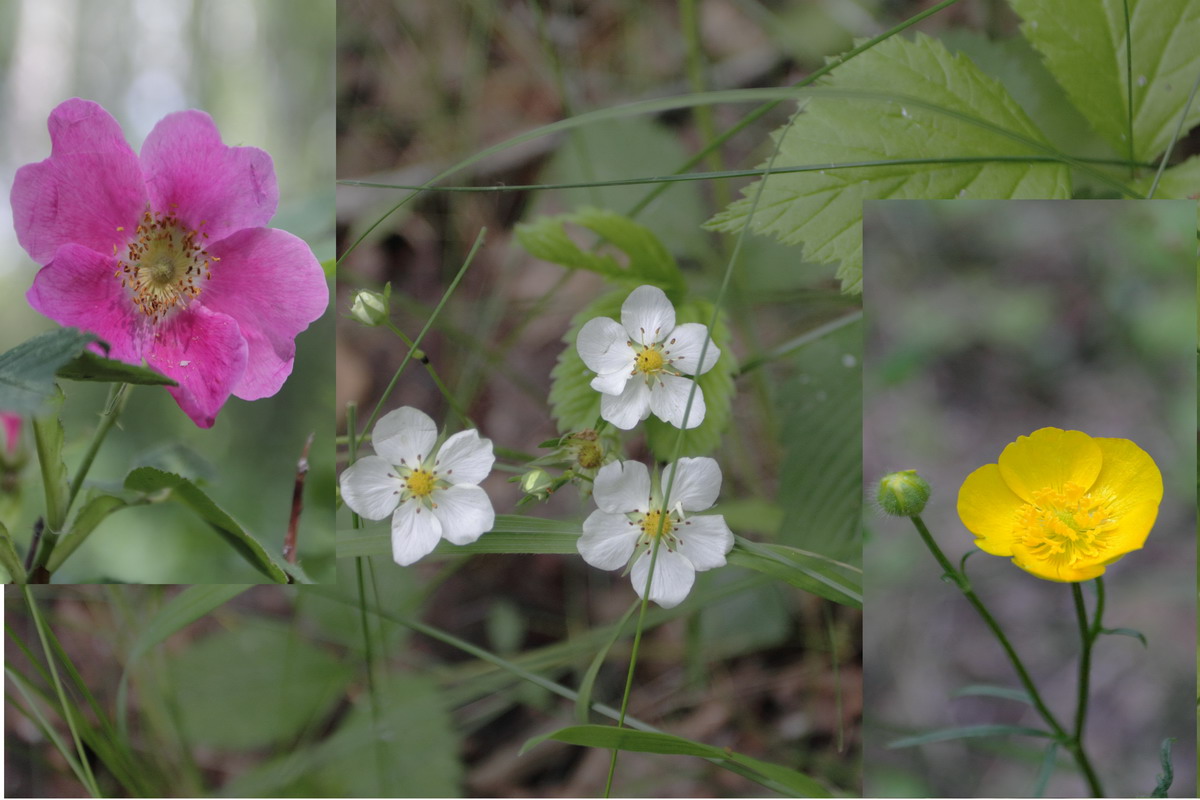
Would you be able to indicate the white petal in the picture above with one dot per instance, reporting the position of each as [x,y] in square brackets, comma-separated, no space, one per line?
[404,436]
[608,540]
[622,487]
[682,349]
[647,315]
[465,513]
[697,483]
[371,487]
[668,400]
[604,346]
[415,532]
[628,408]
[613,382]
[465,458]
[673,577]
[705,541]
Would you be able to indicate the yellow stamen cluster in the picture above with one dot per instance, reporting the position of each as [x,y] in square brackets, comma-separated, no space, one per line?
[165,264]
[650,524]
[649,360]
[1065,525]
[420,482]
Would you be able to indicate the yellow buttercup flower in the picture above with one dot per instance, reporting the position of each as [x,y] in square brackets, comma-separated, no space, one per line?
[1063,504]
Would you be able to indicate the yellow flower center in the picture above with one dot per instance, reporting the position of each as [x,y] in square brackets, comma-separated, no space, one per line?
[589,455]
[651,522]
[1066,526]
[165,265]
[421,483]
[649,361]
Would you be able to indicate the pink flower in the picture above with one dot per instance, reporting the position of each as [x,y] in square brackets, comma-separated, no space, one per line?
[165,256]
[10,431]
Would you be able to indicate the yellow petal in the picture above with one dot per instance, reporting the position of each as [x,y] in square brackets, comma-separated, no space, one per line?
[987,506]
[1062,574]
[1136,487]
[1047,459]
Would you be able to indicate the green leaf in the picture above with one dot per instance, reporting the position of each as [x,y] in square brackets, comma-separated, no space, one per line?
[1168,775]
[811,572]
[583,701]
[899,100]
[821,472]
[648,261]
[1049,762]
[91,515]
[150,480]
[987,690]
[256,684]
[27,371]
[1135,634]
[88,366]
[9,559]
[48,439]
[968,732]
[1085,47]
[610,738]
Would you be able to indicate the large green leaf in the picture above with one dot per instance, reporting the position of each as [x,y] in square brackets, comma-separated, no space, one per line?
[1084,45]
[821,473]
[899,100]
[28,370]
[256,684]
[150,480]
[92,514]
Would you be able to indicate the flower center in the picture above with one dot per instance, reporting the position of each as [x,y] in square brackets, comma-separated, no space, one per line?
[1064,526]
[589,455]
[650,524]
[164,266]
[421,482]
[649,360]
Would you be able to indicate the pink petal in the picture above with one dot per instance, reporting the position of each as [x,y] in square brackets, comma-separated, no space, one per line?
[89,187]
[270,282]
[78,289]
[10,424]
[205,352]
[190,172]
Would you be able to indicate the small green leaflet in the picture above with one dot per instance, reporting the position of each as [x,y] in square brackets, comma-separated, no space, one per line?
[1084,45]
[899,100]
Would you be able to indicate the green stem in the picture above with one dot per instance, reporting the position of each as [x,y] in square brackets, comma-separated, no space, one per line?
[1088,634]
[1072,743]
[117,397]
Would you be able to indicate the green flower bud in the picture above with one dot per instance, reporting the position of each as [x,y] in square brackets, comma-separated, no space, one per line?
[372,308]
[903,493]
[537,483]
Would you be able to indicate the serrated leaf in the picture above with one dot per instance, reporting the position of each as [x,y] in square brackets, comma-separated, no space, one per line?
[968,732]
[88,366]
[648,261]
[1085,48]
[635,741]
[92,514]
[28,370]
[150,480]
[944,107]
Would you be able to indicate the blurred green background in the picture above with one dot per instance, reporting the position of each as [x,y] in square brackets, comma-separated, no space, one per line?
[986,321]
[264,71]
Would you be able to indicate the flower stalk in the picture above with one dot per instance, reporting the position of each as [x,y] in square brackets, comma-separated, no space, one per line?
[1072,742]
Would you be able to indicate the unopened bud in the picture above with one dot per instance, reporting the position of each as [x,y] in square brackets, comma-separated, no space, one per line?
[903,493]
[372,308]
[538,483]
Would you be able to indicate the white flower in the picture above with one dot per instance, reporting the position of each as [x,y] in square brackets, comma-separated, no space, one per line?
[630,512]
[433,491]
[639,362]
